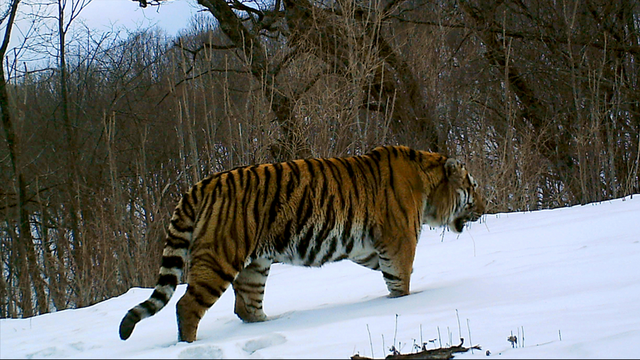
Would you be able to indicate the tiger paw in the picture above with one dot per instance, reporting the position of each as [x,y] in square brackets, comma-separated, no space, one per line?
[250,317]
[396,294]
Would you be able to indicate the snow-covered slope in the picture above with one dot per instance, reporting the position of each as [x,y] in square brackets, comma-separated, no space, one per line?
[570,273]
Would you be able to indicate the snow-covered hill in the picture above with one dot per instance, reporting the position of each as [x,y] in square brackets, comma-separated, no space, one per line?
[569,279]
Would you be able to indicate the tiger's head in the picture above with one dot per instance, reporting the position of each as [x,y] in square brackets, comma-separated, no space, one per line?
[455,200]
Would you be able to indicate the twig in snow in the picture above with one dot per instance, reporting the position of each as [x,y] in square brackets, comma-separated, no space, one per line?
[395,332]
[469,329]
[440,353]
[370,342]
[513,340]
[459,327]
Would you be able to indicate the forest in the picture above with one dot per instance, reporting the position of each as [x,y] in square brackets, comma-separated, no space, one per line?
[100,137]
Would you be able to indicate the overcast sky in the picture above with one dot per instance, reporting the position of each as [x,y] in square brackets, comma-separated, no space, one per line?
[171,16]
[103,15]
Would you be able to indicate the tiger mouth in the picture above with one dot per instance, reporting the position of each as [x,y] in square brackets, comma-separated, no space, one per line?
[458,225]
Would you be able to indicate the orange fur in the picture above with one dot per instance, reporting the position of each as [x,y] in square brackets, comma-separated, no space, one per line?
[369,209]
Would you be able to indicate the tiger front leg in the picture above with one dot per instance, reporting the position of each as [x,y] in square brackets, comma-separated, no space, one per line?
[398,285]
[396,265]
[249,290]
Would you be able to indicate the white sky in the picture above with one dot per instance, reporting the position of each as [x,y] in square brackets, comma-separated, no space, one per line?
[103,15]
[171,16]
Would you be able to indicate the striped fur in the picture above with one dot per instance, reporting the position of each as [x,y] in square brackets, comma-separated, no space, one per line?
[368,209]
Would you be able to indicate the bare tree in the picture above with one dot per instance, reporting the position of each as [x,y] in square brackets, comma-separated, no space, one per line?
[349,39]
[23,252]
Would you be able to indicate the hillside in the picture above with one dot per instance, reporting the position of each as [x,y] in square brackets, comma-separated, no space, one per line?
[571,273]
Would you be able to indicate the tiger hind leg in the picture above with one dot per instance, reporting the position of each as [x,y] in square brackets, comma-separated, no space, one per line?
[205,288]
[249,290]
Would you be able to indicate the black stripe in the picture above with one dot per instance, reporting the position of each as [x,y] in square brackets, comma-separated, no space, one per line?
[181,228]
[273,209]
[267,179]
[258,269]
[372,234]
[331,251]
[168,279]
[295,168]
[324,231]
[373,166]
[329,221]
[250,285]
[303,212]
[208,205]
[172,262]
[175,242]
[391,180]
[149,307]
[335,172]
[402,208]
[345,163]
[199,188]
[162,297]
[240,174]
[246,188]
[222,214]
[303,243]
[349,245]
[368,258]
[230,201]
[223,276]
[231,185]
[341,257]
[248,289]
[311,255]
[309,166]
[290,187]
[280,242]
[256,210]
[376,154]
[347,239]
[412,155]
[369,178]
[197,296]
[358,163]
[391,277]
[187,207]
[376,160]
[395,151]
[213,291]
[366,168]
[203,184]
[134,314]
[325,189]
[207,180]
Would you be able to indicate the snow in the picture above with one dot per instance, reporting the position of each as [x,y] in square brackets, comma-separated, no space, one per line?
[571,273]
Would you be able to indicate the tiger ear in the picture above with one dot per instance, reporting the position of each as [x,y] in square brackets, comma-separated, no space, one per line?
[453,169]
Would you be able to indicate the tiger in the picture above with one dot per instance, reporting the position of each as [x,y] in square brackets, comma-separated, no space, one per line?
[369,209]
